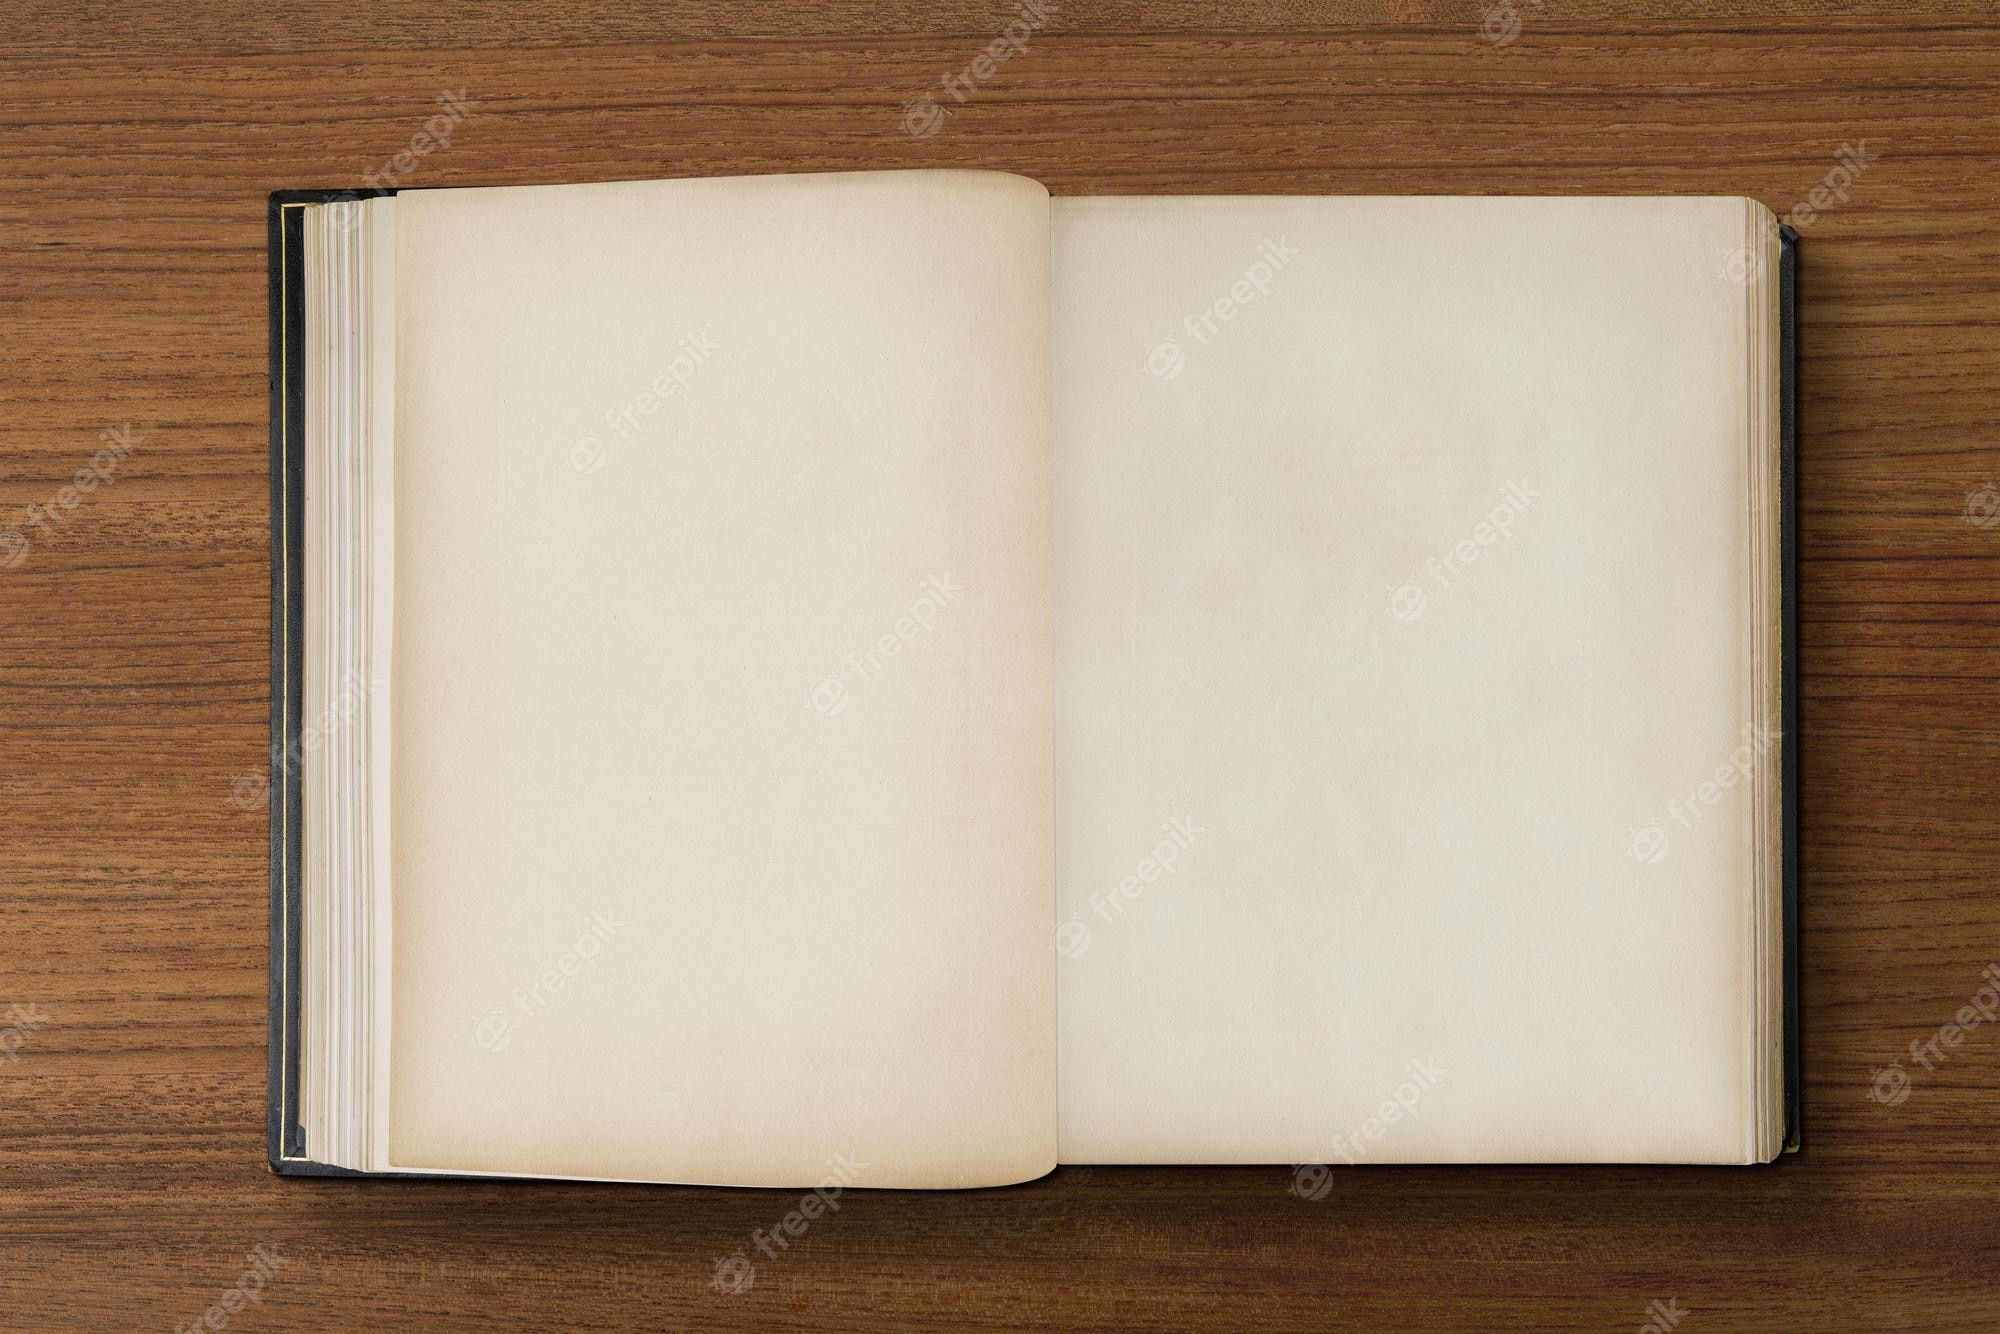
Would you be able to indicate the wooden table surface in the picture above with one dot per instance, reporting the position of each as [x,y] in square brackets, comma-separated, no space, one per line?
[137,146]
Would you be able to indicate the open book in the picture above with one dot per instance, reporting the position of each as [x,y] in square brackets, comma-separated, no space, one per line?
[893,669]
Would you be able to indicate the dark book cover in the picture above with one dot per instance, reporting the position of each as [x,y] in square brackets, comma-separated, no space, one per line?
[285,1139]
[1788,527]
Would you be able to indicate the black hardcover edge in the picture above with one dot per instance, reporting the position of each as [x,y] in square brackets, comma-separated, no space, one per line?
[284,1140]
[1788,648]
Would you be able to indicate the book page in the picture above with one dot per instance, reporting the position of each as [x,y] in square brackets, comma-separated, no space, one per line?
[723,769]
[1405,707]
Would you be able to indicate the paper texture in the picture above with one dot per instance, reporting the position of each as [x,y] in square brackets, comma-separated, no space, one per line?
[723,760]
[1403,646]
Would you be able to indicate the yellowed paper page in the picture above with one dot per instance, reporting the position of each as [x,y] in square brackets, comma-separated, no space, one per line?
[722,737]
[1403,645]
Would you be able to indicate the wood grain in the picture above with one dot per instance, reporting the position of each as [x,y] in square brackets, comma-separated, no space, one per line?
[137,143]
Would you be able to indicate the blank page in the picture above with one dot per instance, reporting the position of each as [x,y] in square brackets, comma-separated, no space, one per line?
[722,715]
[1404,640]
